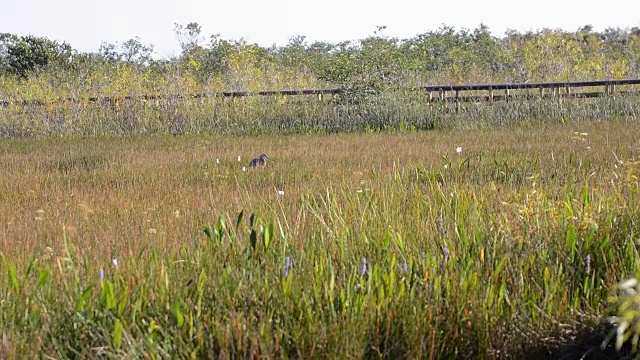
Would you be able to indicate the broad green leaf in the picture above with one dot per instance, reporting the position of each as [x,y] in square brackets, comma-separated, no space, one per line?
[86,294]
[268,235]
[207,231]
[122,303]
[547,276]
[253,239]
[44,278]
[202,279]
[498,268]
[239,220]
[222,228]
[585,196]
[117,334]
[108,296]
[13,277]
[177,313]
[152,326]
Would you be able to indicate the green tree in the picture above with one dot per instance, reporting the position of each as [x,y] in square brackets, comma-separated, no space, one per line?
[132,51]
[26,54]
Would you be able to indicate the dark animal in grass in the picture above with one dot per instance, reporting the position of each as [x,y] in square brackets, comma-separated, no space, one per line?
[260,161]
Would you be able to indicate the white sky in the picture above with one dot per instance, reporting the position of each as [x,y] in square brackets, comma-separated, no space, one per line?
[84,24]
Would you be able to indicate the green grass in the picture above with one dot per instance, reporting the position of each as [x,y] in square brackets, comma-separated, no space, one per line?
[392,110]
[201,247]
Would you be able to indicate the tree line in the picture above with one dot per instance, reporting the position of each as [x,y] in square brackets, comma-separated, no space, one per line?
[37,66]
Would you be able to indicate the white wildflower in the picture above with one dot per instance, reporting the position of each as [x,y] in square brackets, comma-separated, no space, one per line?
[238,157]
[244,168]
[459,149]
[281,192]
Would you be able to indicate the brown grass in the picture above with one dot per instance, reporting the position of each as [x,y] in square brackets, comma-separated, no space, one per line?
[518,210]
[118,195]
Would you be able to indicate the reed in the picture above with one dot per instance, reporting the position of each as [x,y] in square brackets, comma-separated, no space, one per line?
[383,245]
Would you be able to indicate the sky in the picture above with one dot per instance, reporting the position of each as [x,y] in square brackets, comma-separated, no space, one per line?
[85,24]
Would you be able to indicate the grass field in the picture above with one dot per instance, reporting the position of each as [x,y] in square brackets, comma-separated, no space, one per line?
[392,110]
[389,245]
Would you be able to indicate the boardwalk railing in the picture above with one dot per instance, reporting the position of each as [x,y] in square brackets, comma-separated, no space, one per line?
[555,89]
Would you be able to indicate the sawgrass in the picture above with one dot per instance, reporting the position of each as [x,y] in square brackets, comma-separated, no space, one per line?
[398,246]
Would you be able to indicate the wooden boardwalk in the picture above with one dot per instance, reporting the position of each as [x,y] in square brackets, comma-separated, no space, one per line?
[436,93]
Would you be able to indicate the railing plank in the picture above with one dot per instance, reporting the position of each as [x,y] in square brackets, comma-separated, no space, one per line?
[442,90]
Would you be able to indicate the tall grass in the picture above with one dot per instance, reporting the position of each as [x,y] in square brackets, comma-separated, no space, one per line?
[390,110]
[379,245]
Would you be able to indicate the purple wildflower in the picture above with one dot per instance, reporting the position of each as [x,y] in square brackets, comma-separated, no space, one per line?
[446,253]
[287,265]
[423,255]
[405,268]
[363,268]
[101,274]
[588,262]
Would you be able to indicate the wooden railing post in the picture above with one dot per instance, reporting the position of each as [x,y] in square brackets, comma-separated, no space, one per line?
[460,91]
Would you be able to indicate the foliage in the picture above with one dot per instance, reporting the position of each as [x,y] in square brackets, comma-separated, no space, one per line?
[370,65]
[132,51]
[507,249]
[504,248]
[24,55]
